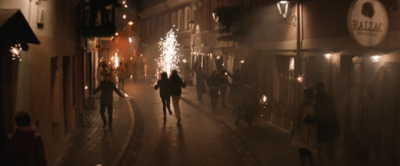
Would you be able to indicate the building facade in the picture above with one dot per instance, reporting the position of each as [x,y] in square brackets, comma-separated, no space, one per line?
[316,42]
[47,83]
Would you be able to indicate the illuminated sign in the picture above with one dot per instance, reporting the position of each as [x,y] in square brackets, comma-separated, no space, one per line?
[367,22]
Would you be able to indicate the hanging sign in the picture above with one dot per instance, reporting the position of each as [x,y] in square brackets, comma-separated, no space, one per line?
[367,22]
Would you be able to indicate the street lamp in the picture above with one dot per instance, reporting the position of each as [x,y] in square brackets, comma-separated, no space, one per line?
[215,16]
[283,7]
[376,58]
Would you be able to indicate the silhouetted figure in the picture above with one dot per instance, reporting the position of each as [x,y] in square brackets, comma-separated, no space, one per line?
[165,92]
[135,71]
[107,87]
[200,85]
[141,69]
[236,95]
[25,145]
[304,135]
[327,125]
[213,83]
[121,76]
[176,91]
[223,86]
[249,97]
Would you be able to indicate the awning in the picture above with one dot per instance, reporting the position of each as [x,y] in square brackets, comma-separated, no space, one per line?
[14,28]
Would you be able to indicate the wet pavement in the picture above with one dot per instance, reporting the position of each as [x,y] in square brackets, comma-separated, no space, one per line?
[141,137]
[91,144]
[199,140]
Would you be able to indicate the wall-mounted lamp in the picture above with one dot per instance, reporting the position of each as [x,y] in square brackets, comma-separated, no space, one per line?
[283,7]
[376,58]
[191,25]
[215,16]
[328,56]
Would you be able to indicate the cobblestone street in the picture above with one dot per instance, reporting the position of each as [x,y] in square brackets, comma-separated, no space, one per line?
[199,140]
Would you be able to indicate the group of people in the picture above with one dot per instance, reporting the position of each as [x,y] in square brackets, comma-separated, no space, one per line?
[217,84]
[316,126]
[171,86]
[120,73]
[242,92]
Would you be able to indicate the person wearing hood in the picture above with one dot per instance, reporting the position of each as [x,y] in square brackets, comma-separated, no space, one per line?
[25,146]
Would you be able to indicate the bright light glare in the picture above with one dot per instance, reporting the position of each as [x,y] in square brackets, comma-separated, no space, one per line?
[15,52]
[124,16]
[328,56]
[264,100]
[242,61]
[130,23]
[126,6]
[116,33]
[86,87]
[376,58]
[291,64]
[130,39]
[116,59]
[300,79]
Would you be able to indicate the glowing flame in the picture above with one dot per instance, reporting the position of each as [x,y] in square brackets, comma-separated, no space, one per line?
[169,57]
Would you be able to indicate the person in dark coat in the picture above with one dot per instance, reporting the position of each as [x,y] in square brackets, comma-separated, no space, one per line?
[165,92]
[327,124]
[200,86]
[176,91]
[236,95]
[107,87]
[25,146]
[223,86]
[304,136]
[213,83]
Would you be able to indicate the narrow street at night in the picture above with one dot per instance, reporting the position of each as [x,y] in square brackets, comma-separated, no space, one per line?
[258,82]
[199,140]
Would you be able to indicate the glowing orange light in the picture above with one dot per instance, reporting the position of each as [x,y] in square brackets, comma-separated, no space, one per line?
[116,34]
[130,22]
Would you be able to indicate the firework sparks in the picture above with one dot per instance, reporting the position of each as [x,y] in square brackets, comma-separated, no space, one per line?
[15,52]
[169,57]
[116,59]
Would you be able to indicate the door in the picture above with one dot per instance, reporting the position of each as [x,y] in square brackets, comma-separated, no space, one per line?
[390,126]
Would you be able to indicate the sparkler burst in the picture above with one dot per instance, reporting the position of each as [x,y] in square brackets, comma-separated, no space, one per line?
[15,52]
[169,57]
